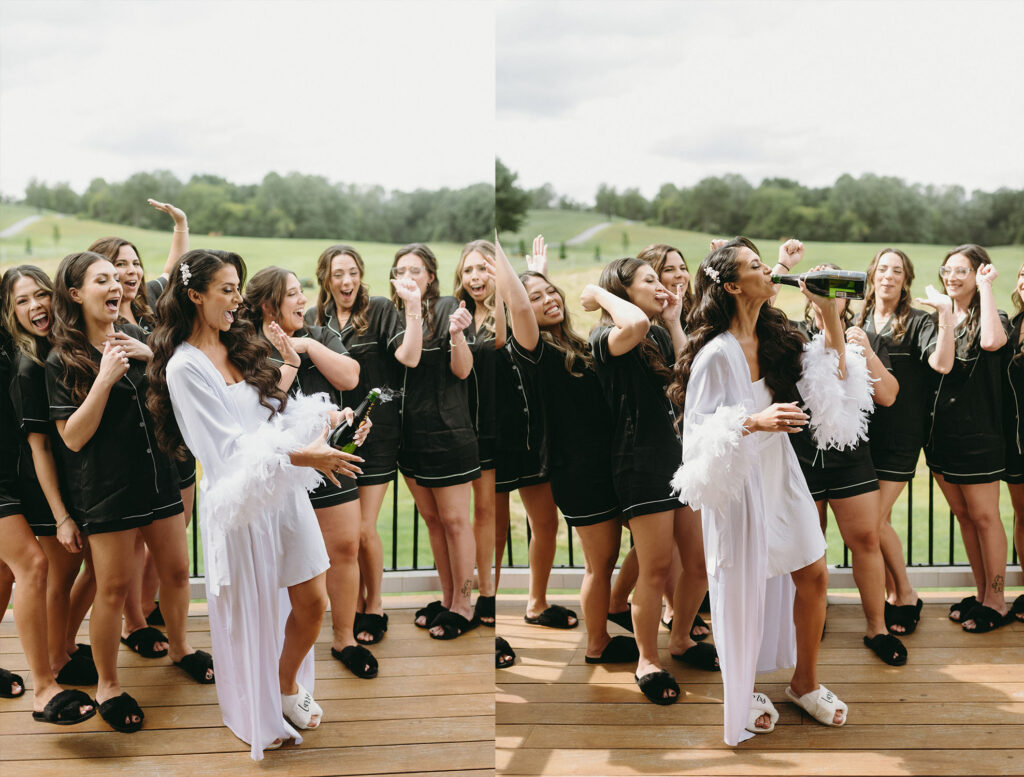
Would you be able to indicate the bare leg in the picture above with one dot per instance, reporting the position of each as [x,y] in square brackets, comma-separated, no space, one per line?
[502,518]
[371,552]
[340,526]
[671,583]
[858,518]
[692,583]
[1017,500]
[309,603]
[625,582]
[542,514]
[166,538]
[134,612]
[652,538]
[968,531]
[63,568]
[897,582]
[600,544]
[427,506]
[149,584]
[453,514]
[809,618]
[82,594]
[983,510]
[483,530]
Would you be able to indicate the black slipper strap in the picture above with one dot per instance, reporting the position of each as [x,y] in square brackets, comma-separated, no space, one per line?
[888,648]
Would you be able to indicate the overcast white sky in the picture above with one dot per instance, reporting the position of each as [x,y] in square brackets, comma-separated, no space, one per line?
[393,93]
[644,93]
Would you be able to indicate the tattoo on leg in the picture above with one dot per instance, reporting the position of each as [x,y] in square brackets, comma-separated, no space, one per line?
[997,583]
[467,587]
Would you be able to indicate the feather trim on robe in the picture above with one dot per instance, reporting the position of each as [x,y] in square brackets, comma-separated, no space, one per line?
[839,409]
[262,457]
[715,459]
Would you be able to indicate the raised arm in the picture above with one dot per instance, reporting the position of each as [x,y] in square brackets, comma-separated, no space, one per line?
[462,358]
[179,239]
[340,369]
[941,359]
[408,353]
[790,255]
[524,322]
[631,323]
[993,335]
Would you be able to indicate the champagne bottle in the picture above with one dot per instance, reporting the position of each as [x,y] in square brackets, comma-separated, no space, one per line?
[342,435]
[844,284]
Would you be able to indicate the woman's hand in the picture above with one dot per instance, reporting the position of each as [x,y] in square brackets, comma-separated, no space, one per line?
[857,336]
[69,536]
[588,297]
[718,243]
[135,349]
[672,304]
[823,305]
[299,344]
[282,342]
[180,219]
[986,274]
[790,253]
[408,292]
[327,460]
[780,417]
[113,363]
[538,260]
[459,320]
[936,300]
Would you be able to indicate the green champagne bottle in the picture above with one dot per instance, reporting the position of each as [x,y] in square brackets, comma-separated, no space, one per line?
[842,284]
[342,435]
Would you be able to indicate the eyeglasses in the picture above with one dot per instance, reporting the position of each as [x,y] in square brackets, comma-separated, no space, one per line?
[413,272]
[956,272]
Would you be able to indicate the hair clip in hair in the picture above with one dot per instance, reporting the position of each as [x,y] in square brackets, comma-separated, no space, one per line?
[712,273]
[186,274]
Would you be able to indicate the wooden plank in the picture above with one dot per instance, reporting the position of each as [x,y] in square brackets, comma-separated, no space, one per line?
[574,761]
[208,715]
[470,758]
[152,743]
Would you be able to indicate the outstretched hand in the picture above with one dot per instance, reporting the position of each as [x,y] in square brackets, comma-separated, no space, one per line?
[538,260]
[180,219]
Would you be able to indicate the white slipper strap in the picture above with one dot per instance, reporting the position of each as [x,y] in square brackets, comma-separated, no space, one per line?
[761,705]
[300,708]
[821,704]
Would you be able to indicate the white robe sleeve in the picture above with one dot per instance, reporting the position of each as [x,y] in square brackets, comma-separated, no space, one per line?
[244,465]
[716,457]
[839,409]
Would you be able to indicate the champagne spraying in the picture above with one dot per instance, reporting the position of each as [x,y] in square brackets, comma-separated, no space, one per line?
[342,436]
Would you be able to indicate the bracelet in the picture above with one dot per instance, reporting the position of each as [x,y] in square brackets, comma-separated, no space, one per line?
[181,230]
[293,366]
[457,342]
[416,316]
[63,520]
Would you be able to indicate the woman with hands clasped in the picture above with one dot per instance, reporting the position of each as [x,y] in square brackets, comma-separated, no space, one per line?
[378,338]
[965,450]
[633,360]
[214,389]
[439,456]
[918,349]
[739,378]
[117,480]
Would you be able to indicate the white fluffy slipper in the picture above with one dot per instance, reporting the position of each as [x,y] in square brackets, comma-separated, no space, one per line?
[761,705]
[299,708]
[820,704]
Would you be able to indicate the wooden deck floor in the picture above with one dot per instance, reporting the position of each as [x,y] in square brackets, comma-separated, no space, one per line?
[430,711]
[956,708]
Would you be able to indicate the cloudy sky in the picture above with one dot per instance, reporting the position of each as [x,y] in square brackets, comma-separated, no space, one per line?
[643,93]
[393,93]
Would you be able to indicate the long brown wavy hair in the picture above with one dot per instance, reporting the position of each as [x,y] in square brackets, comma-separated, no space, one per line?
[267,287]
[656,255]
[903,309]
[617,277]
[33,347]
[110,247]
[177,315]
[325,301]
[486,248]
[433,292]
[562,337]
[779,344]
[970,326]
[67,332]
[846,319]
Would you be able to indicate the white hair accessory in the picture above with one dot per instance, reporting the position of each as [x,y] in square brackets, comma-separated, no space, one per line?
[712,273]
[186,274]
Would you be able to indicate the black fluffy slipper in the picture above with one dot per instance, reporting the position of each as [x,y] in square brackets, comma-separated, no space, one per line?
[554,617]
[1018,608]
[119,710]
[142,641]
[699,622]
[986,619]
[199,666]
[358,660]
[620,650]
[452,625]
[371,623]
[888,648]
[623,619]
[7,682]
[504,655]
[79,670]
[701,656]
[905,615]
[429,612]
[65,709]
[962,609]
[655,684]
[484,608]
[155,618]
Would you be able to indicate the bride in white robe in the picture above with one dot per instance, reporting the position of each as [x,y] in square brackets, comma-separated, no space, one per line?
[260,534]
[761,529]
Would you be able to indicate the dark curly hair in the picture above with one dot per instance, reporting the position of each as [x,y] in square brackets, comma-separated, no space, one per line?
[779,344]
[176,315]
[110,247]
[617,277]
[325,301]
[562,337]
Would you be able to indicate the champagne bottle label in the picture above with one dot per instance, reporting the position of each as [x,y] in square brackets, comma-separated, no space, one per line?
[342,436]
[834,284]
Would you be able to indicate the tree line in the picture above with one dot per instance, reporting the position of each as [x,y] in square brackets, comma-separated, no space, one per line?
[291,206]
